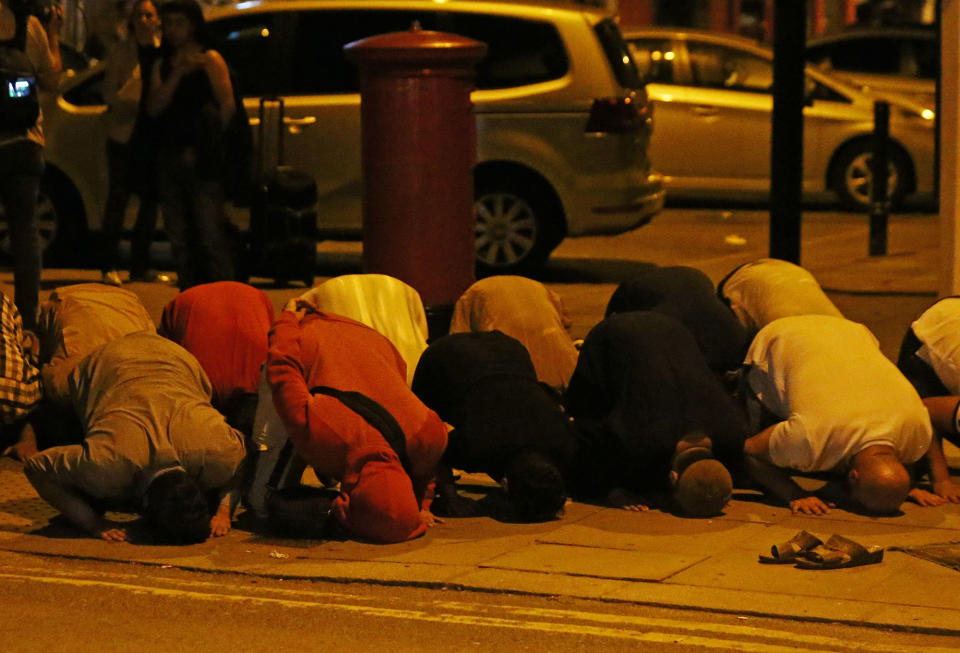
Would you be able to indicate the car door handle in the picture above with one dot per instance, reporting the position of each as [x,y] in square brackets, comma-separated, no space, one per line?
[300,122]
[705,110]
[292,122]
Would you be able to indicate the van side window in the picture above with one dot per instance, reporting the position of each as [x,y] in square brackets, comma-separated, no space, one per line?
[655,59]
[321,65]
[249,44]
[519,51]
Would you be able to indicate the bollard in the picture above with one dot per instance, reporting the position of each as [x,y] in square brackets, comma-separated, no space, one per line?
[880,171]
[418,151]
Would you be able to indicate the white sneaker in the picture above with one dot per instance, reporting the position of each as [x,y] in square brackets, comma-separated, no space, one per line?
[111,278]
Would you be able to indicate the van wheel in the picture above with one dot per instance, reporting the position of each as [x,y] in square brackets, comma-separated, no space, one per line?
[853,177]
[514,231]
[59,219]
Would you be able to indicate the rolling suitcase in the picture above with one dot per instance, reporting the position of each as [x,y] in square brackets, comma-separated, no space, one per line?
[283,213]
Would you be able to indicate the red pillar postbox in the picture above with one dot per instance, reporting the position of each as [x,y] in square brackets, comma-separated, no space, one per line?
[419,149]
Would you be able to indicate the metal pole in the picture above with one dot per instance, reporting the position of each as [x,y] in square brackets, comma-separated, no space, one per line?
[786,151]
[880,171]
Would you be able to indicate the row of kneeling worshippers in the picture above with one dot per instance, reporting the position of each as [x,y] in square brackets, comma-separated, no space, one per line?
[682,393]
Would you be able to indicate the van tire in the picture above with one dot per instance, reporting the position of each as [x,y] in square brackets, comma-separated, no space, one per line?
[516,226]
[60,223]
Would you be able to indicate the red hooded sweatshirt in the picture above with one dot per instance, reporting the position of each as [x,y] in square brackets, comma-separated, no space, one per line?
[225,325]
[378,499]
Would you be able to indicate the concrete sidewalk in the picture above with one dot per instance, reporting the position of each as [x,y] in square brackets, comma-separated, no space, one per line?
[593,552]
[601,553]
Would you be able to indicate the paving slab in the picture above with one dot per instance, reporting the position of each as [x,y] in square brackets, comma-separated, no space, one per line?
[740,570]
[648,534]
[474,551]
[593,561]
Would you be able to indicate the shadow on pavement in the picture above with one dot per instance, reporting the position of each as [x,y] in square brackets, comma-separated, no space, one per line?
[557,270]
[591,270]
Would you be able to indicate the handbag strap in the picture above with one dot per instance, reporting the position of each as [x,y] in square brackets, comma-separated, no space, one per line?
[375,415]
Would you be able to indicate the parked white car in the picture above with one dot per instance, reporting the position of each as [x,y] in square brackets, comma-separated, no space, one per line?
[713,102]
[563,120]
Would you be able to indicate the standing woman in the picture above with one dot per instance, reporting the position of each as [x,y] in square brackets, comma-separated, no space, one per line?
[32,51]
[192,98]
[131,148]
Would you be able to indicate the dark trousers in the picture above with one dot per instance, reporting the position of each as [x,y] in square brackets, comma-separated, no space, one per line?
[120,167]
[194,219]
[21,168]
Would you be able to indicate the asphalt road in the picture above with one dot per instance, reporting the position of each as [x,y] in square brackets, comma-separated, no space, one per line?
[52,604]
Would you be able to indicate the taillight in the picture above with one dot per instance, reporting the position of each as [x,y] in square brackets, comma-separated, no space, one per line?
[616,115]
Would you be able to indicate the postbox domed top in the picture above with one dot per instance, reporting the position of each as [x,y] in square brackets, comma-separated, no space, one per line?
[417,47]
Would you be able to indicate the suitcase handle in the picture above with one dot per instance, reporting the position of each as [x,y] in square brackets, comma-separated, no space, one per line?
[270,146]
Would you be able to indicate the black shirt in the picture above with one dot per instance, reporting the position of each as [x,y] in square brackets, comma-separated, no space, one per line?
[642,384]
[484,385]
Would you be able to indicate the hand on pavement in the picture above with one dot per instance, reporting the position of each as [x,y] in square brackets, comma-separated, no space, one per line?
[924,498]
[429,518]
[948,490]
[620,498]
[810,506]
[111,531]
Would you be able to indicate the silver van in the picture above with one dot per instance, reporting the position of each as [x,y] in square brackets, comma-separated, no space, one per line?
[563,120]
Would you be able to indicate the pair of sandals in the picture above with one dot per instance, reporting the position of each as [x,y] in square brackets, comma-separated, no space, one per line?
[807,551]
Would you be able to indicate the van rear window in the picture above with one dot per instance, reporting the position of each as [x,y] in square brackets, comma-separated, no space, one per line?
[519,52]
[618,54]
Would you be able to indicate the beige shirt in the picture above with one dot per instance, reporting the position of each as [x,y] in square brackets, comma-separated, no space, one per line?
[145,405]
[77,319]
[528,311]
[836,392]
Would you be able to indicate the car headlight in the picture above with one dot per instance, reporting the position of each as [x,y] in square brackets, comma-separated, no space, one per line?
[917,114]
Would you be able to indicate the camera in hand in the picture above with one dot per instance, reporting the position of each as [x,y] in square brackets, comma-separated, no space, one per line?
[21,87]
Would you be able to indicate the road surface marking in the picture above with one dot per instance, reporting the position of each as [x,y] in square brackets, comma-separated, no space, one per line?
[563,624]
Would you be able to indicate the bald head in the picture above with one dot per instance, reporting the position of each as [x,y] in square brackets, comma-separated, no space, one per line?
[878,481]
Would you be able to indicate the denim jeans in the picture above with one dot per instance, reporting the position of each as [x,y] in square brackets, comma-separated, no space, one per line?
[194,219]
[21,167]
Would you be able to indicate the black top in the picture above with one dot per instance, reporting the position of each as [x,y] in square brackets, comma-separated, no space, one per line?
[640,385]
[687,294]
[147,55]
[484,385]
[183,122]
